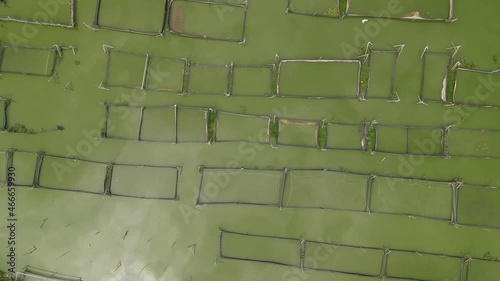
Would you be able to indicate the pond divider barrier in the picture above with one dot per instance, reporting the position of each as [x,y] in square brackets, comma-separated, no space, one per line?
[44,171]
[356,260]
[339,190]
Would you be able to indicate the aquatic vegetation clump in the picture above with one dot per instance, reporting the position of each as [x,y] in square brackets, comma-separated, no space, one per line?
[364,59]
[370,138]
[274,129]
[342,7]
[322,134]
[211,117]
[20,129]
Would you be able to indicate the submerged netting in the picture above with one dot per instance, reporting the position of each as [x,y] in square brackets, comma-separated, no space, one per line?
[141,17]
[145,72]
[350,259]
[319,78]
[435,72]
[173,124]
[221,20]
[318,8]
[61,15]
[29,60]
[323,189]
[429,10]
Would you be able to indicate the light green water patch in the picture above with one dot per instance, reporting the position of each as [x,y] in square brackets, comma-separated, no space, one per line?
[344,259]
[28,60]
[412,265]
[144,182]
[478,206]
[325,190]
[208,79]
[298,133]
[319,78]
[38,11]
[25,164]
[123,122]
[425,141]
[428,9]
[477,88]
[329,8]
[159,124]
[434,76]
[252,81]
[238,127]
[476,143]
[140,16]
[259,248]
[483,270]
[166,75]
[392,139]
[74,175]
[411,197]
[192,125]
[345,136]
[220,21]
[236,186]
[382,68]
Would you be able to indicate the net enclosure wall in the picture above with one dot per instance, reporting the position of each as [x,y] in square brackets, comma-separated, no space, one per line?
[4,115]
[28,60]
[49,13]
[146,17]
[477,88]
[145,72]
[240,186]
[225,21]
[448,201]
[435,71]
[437,10]
[144,182]
[320,78]
[355,260]
[382,74]
[326,189]
[234,127]
[52,172]
[410,140]
[318,8]
[170,124]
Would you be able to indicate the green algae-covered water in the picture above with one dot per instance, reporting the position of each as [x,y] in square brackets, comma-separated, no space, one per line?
[139,194]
